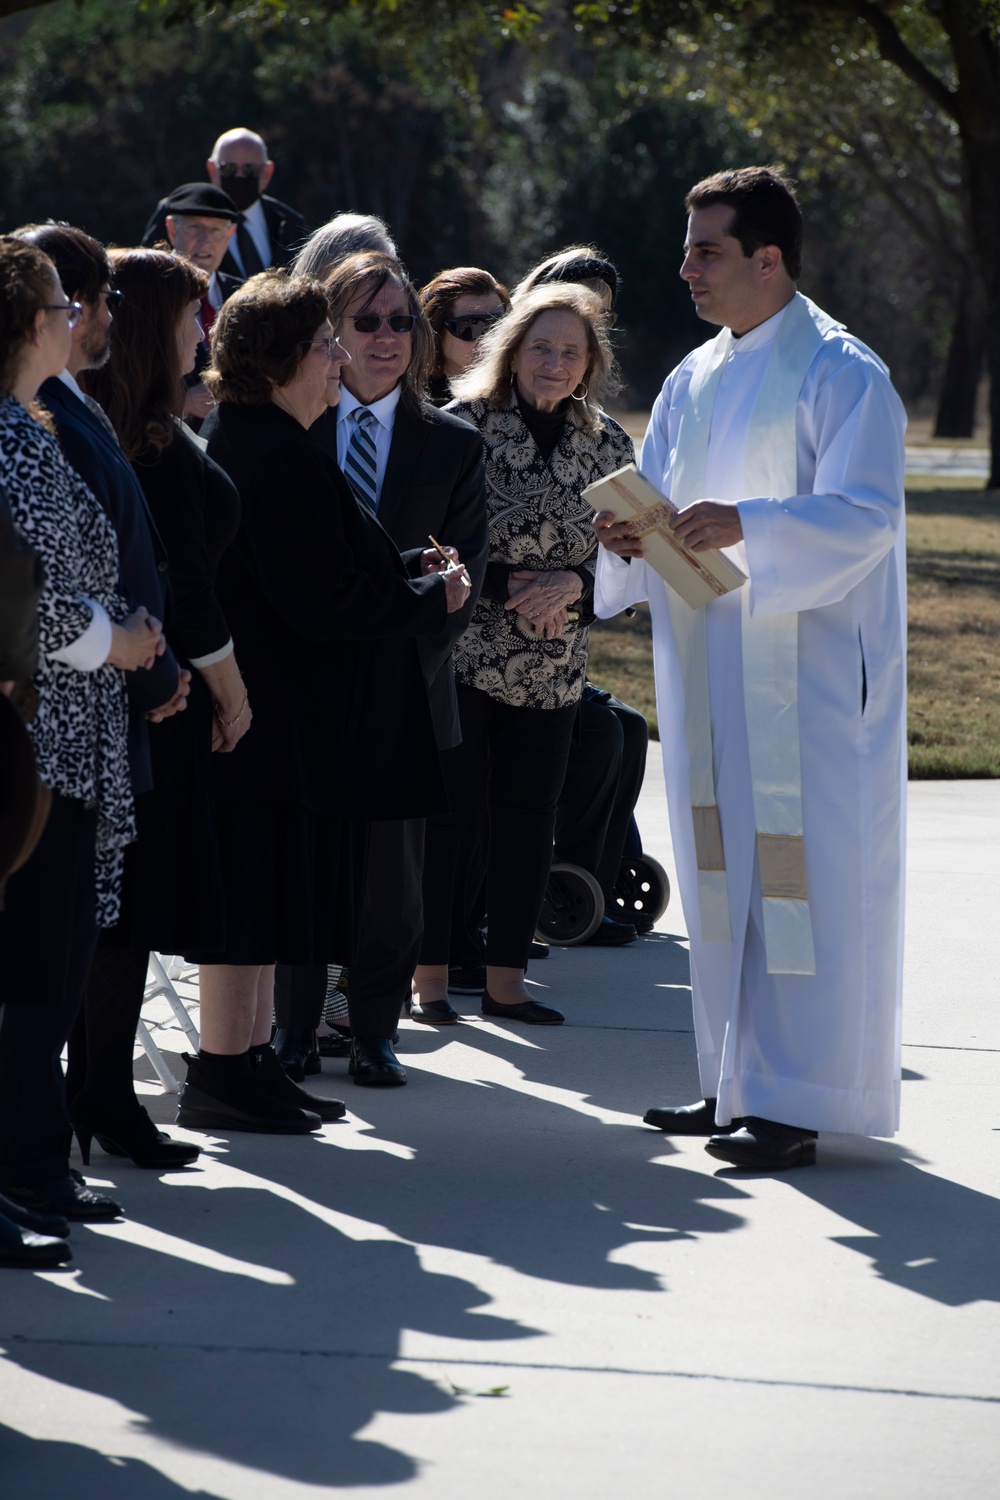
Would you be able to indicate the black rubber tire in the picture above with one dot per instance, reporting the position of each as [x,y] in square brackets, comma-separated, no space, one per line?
[572,908]
[643,890]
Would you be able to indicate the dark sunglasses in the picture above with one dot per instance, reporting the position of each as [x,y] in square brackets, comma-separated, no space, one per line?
[372,322]
[113,299]
[239,169]
[471,326]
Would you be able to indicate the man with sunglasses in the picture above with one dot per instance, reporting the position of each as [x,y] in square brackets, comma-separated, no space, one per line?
[267,230]
[422,472]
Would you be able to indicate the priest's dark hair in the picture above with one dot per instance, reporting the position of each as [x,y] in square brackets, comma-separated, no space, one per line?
[766,210]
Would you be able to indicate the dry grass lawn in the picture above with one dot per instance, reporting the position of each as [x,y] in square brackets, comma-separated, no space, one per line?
[953,546]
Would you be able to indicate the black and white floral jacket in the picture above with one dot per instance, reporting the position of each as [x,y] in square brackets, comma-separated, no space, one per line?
[79,729]
[537,520]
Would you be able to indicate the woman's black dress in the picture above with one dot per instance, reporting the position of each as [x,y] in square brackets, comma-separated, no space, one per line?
[325,620]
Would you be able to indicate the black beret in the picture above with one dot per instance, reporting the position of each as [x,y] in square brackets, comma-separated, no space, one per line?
[202,198]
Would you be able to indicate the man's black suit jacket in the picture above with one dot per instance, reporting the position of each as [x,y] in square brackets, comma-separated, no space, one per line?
[286,229]
[435,484]
[97,458]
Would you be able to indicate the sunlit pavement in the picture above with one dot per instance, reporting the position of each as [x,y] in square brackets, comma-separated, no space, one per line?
[496,1281]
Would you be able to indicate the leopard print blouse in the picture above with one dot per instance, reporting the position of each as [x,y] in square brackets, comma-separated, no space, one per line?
[537,520]
[79,729]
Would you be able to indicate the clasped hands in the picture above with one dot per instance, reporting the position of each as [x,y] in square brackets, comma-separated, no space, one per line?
[704,527]
[544,598]
[452,572]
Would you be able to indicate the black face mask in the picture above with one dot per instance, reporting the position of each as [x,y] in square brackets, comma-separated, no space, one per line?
[244,191]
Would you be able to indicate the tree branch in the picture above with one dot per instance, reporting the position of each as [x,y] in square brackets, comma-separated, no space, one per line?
[893,48]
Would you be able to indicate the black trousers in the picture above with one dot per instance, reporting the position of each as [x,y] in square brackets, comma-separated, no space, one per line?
[512,760]
[48,933]
[388,943]
[603,781]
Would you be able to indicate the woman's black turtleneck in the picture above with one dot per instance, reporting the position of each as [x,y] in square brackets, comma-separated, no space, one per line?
[546,427]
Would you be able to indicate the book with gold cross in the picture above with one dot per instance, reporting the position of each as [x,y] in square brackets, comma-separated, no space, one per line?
[698,577]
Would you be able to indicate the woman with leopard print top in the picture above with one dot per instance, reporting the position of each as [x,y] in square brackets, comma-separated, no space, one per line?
[70,885]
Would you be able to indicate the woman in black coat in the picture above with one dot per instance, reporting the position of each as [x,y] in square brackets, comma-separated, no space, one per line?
[327,617]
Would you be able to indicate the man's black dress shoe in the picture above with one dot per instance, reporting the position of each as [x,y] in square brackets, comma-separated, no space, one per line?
[433,1012]
[67,1198]
[337,1044]
[611,934]
[467,979]
[374,1064]
[33,1251]
[296,1050]
[533,1012]
[765,1146]
[50,1224]
[688,1119]
[275,1082]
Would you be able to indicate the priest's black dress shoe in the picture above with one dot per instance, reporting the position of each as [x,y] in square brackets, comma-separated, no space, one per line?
[27,1248]
[612,934]
[296,1050]
[533,1012]
[433,1012]
[374,1064]
[67,1198]
[56,1225]
[275,1082]
[765,1146]
[688,1119]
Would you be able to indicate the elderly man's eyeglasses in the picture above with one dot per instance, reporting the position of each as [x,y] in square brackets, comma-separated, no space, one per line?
[73,310]
[471,326]
[372,322]
[240,168]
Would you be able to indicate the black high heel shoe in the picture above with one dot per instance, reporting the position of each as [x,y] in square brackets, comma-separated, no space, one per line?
[127,1133]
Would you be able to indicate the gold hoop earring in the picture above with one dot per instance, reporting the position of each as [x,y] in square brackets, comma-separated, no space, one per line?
[586,393]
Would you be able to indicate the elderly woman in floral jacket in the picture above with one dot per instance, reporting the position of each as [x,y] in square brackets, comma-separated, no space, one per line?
[534,394]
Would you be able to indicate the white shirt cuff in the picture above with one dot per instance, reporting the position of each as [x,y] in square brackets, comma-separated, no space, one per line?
[213,656]
[91,649]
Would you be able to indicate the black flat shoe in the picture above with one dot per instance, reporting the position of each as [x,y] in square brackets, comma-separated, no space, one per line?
[533,1012]
[296,1049]
[24,1247]
[765,1146]
[68,1198]
[54,1225]
[374,1064]
[273,1079]
[433,1012]
[688,1119]
[127,1133]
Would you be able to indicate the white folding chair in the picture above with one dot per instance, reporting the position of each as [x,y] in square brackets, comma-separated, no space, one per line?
[159,981]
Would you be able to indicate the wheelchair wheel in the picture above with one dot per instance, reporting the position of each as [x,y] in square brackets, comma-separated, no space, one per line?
[572,909]
[643,890]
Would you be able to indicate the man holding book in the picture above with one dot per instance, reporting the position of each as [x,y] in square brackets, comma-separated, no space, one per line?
[782,701]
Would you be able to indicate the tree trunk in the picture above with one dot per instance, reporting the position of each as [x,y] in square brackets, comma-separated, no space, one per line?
[956,413]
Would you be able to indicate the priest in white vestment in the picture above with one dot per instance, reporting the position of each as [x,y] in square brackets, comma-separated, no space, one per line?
[781,705]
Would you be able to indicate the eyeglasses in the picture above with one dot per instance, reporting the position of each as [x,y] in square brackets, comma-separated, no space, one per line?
[330,345]
[240,169]
[372,322]
[471,326]
[73,310]
[113,299]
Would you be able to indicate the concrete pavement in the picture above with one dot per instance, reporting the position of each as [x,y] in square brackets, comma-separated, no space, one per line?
[497,1280]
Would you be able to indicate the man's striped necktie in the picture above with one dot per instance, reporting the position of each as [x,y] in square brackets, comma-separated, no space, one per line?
[361,464]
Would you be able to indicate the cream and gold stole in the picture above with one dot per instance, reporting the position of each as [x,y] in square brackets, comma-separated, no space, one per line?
[770,654]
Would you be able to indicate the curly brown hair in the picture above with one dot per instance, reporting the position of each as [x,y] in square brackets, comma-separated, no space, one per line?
[27,277]
[261,336]
[140,387]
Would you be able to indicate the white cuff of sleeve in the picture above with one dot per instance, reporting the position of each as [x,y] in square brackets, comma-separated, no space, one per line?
[213,656]
[91,649]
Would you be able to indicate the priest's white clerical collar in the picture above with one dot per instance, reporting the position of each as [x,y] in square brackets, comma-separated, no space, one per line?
[763,334]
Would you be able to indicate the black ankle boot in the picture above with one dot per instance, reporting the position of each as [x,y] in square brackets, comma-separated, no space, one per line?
[127,1132]
[275,1082]
[222,1093]
[296,1049]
